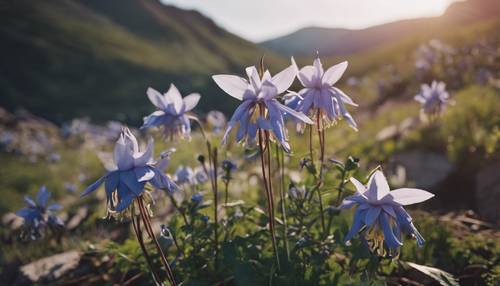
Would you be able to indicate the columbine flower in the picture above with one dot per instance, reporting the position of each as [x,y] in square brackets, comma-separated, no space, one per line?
[296,193]
[433,98]
[38,214]
[184,175]
[260,108]
[173,112]
[381,212]
[197,198]
[133,169]
[320,94]
[216,120]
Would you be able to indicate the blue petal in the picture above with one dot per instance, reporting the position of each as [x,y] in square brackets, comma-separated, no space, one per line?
[144,174]
[160,181]
[357,224]
[130,180]
[111,182]
[29,202]
[390,238]
[42,197]
[54,207]
[372,214]
[93,187]
[125,202]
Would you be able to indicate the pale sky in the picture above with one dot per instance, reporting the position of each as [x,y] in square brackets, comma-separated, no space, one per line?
[258,20]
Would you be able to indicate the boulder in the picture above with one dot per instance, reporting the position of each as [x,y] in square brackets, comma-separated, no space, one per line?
[487,193]
[51,268]
[425,169]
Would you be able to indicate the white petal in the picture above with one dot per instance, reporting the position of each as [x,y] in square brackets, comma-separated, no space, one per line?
[141,159]
[306,75]
[191,101]
[253,77]
[318,68]
[174,96]
[156,98]
[377,187]
[233,85]
[358,185]
[334,73]
[284,79]
[344,97]
[123,154]
[296,114]
[408,196]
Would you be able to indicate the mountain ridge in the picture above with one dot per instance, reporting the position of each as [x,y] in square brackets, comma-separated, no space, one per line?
[97,58]
[340,41]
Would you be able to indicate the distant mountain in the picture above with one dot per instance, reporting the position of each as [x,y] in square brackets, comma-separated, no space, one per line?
[334,42]
[69,58]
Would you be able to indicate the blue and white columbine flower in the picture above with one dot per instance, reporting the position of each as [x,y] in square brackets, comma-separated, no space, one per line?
[38,213]
[125,181]
[434,98]
[172,113]
[380,212]
[320,94]
[260,108]
[184,175]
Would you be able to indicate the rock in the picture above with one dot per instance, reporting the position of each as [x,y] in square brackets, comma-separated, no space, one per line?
[425,169]
[51,268]
[12,221]
[487,193]
[396,130]
[80,215]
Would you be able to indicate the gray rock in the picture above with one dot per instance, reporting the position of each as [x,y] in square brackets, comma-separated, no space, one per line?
[80,215]
[425,169]
[12,221]
[51,268]
[487,193]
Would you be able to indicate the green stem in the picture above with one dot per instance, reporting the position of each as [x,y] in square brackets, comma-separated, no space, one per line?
[321,137]
[280,160]
[264,147]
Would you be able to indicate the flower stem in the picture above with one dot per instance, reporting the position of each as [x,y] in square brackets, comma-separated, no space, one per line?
[147,223]
[138,233]
[321,137]
[280,155]
[264,147]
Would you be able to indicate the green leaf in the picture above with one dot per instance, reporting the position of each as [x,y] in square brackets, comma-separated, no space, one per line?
[444,278]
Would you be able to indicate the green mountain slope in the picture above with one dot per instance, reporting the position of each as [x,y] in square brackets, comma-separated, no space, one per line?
[67,58]
[335,42]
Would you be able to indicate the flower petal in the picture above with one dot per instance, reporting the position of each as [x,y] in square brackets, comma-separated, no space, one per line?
[111,182]
[371,215]
[408,196]
[358,185]
[306,75]
[284,79]
[377,187]
[389,237]
[334,73]
[174,96]
[357,224]
[191,101]
[141,159]
[93,187]
[233,85]
[144,174]
[156,98]
[42,197]
[130,180]
[253,77]
[299,115]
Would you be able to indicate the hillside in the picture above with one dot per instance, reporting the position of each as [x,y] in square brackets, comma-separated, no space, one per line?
[68,58]
[335,42]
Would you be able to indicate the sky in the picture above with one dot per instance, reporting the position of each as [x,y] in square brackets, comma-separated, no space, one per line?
[258,20]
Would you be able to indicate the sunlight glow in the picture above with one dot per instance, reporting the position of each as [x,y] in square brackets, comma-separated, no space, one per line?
[259,20]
